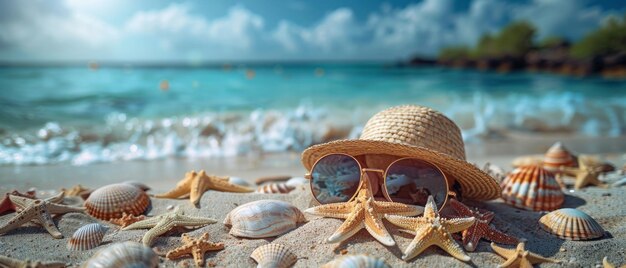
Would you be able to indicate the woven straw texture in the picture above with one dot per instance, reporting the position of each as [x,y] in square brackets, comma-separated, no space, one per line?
[414,131]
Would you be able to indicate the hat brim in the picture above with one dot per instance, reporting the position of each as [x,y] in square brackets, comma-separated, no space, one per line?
[475,183]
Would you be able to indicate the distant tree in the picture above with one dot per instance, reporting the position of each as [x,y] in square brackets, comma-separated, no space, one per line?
[552,41]
[454,52]
[485,46]
[516,39]
[608,39]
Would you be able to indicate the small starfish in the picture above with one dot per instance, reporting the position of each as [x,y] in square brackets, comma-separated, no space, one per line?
[77,190]
[432,230]
[127,219]
[480,228]
[363,212]
[195,184]
[196,247]
[10,262]
[519,257]
[39,211]
[165,222]
[7,206]
[607,264]
[585,173]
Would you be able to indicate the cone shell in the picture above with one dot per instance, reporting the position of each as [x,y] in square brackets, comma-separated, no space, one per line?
[273,256]
[87,237]
[572,224]
[356,261]
[532,188]
[558,156]
[275,188]
[125,254]
[109,202]
[263,218]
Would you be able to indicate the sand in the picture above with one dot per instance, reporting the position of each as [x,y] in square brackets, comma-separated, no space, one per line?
[308,240]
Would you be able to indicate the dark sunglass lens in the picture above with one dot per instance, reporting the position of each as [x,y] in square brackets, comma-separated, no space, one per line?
[335,178]
[411,181]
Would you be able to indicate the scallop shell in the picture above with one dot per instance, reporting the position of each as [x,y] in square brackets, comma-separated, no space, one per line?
[274,188]
[263,218]
[356,261]
[239,181]
[109,202]
[532,188]
[572,224]
[273,256]
[125,254]
[558,156]
[87,237]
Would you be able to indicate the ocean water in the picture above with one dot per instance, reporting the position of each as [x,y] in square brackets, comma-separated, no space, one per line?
[79,115]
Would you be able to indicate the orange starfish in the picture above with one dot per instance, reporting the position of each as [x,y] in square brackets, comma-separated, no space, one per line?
[195,184]
[7,206]
[586,173]
[127,219]
[480,228]
[196,247]
[519,257]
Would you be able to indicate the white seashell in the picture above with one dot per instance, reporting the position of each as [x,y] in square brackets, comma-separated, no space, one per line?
[274,188]
[558,156]
[125,254]
[87,237]
[572,224]
[263,218]
[296,181]
[109,202]
[273,256]
[356,261]
[239,181]
[532,188]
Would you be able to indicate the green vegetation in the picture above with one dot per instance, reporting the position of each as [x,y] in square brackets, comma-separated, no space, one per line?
[551,41]
[609,39]
[455,52]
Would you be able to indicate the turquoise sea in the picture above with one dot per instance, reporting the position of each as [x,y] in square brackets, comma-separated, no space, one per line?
[79,115]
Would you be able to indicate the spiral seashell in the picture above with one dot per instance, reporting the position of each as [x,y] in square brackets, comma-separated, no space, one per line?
[263,218]
[356,261]
[87,237]
[125,254]
[273,256]
[274,188]
[572,224]
[558,156]
[532,188]
[109,202]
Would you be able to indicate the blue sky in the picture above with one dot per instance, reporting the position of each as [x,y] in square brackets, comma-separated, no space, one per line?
[225,30]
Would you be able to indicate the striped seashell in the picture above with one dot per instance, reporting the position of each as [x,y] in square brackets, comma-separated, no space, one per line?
[87,237]
[532,188]
[109,202]
[558,156]
[125,254]
[273,256]
[356,261]
[274,188]
[263,218]
[572,224]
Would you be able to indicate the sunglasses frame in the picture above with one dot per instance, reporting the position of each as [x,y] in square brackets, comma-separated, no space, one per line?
[363,171]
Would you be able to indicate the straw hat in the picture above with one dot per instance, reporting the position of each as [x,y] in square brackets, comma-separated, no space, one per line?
[414,131]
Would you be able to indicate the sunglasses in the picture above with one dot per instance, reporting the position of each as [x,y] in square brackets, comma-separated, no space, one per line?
[337,177]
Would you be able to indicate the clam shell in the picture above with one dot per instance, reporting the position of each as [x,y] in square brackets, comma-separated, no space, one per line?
[263,218]
[125,254]
[87,237]
[273,256]
[558,156]
[356,261]
[532,188]
[274,188]
[572,224]
[109,202]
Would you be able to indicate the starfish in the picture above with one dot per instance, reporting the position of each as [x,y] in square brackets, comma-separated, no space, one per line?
[432,230]
[480,228]
[165,222]
[363,212]
[10,262]
[195,184]
[127,219]
[585,173]
[519,257]
[7,206]
[77,190]
[607,264]
[39,211]
[196,247]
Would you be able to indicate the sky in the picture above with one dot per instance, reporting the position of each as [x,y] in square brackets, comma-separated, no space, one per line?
[233,30]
